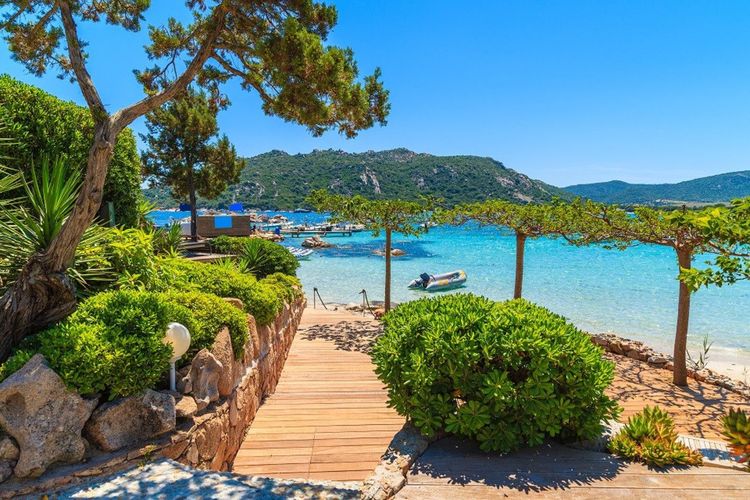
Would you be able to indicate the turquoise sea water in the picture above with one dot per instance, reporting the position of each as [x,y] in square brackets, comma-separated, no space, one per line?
[632,293]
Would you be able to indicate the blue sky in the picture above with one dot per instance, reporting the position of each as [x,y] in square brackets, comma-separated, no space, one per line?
[567,92]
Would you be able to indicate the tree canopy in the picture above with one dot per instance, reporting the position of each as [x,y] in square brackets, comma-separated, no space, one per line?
[185,152]
[273,47]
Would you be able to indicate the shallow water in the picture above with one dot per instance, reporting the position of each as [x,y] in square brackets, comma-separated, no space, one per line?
[632,293]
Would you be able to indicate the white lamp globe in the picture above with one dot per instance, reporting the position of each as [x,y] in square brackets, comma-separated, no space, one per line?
[179,338]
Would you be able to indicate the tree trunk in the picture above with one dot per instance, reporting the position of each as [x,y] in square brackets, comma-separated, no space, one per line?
[684,258]
[43,294]
[520,248]
[193,208]
[387,270]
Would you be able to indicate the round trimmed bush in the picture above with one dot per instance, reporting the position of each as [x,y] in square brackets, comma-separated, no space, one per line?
[506,374]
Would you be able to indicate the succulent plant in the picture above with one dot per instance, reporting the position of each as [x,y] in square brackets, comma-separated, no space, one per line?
[737,431]
[650,436]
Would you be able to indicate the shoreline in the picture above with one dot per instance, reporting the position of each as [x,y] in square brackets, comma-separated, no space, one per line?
[722,361]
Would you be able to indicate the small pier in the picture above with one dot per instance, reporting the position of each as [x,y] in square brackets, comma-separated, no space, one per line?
[294,233]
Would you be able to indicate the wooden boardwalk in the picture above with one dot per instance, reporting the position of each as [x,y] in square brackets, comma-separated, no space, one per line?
[328,418]
[451,469]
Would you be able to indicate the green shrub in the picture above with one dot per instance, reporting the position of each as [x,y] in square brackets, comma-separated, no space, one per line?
[229,244]
[131,254]
[113,343]
[737,432]
[505,374]
[40,124]
[264,302]
[210,314]
[259,257]
[649,436]
[259,299]
[289,288]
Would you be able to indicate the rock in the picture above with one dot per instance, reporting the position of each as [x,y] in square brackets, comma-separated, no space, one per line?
[395,252]
[315,242]
[353,306]
[43,416]
[185,407]
[222,351]
[6,469]
[8,448]
[203,378]
[657,360]
[128,421]
[235,302]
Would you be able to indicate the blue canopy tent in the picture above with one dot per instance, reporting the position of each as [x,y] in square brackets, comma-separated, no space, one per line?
[184,207]
[236,207]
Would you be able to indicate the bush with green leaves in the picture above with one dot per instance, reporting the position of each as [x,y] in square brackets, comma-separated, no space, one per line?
[113,344]
[40,124]
[506,374]
[131,253]
[736,429]
[289,288]
[210,314]
[650,437]
[260,299]
[258,256]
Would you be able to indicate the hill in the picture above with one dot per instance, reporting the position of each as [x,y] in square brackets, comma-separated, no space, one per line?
[277,180]
[713,189]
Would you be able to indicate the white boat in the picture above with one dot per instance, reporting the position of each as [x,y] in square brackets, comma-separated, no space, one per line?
[439,282]
[300,253]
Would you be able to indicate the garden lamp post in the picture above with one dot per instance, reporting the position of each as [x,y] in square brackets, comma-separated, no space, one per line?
[179,338]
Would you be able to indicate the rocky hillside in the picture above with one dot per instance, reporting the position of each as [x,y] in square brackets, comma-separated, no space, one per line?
[278,180]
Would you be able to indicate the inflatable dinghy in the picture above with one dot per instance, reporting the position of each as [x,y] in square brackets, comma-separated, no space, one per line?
[439,282]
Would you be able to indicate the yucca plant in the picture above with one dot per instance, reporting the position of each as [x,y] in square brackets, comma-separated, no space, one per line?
[33,221]
[167,240]
[650,436]
[737,431]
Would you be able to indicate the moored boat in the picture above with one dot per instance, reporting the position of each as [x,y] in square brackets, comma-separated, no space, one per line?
[439,282]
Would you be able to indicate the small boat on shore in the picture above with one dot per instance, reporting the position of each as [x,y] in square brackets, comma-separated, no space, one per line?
[439,282]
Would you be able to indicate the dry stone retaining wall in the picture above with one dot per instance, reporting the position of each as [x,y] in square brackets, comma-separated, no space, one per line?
[205,439]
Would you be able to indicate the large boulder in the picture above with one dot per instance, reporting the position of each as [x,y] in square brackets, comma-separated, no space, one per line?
[43,416]
[202,380]
[128,421]
[224,354]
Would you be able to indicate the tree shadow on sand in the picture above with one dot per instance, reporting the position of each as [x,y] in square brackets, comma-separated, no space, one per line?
[357,336]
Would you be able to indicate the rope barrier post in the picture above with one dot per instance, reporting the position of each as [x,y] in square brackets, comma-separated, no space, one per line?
[315,291]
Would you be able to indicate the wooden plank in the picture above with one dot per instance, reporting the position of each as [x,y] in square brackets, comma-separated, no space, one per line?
[329,411]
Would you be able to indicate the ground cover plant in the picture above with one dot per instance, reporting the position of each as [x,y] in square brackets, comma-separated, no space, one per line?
[506,374]
[737,432]
[650,437]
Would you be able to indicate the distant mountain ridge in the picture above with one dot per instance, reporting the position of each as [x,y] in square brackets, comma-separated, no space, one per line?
[278,180]
[712,189]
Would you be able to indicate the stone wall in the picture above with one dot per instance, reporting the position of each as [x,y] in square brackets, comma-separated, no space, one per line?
[206,438]
[215,437]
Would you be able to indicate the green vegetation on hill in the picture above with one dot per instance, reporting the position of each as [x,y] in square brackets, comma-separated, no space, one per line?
[39,124]
[278,180]
[712,189]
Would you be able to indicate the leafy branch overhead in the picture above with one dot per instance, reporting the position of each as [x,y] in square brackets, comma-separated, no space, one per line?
[274,47]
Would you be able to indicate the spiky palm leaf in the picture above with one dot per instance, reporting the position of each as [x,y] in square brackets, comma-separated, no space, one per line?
[34,221]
